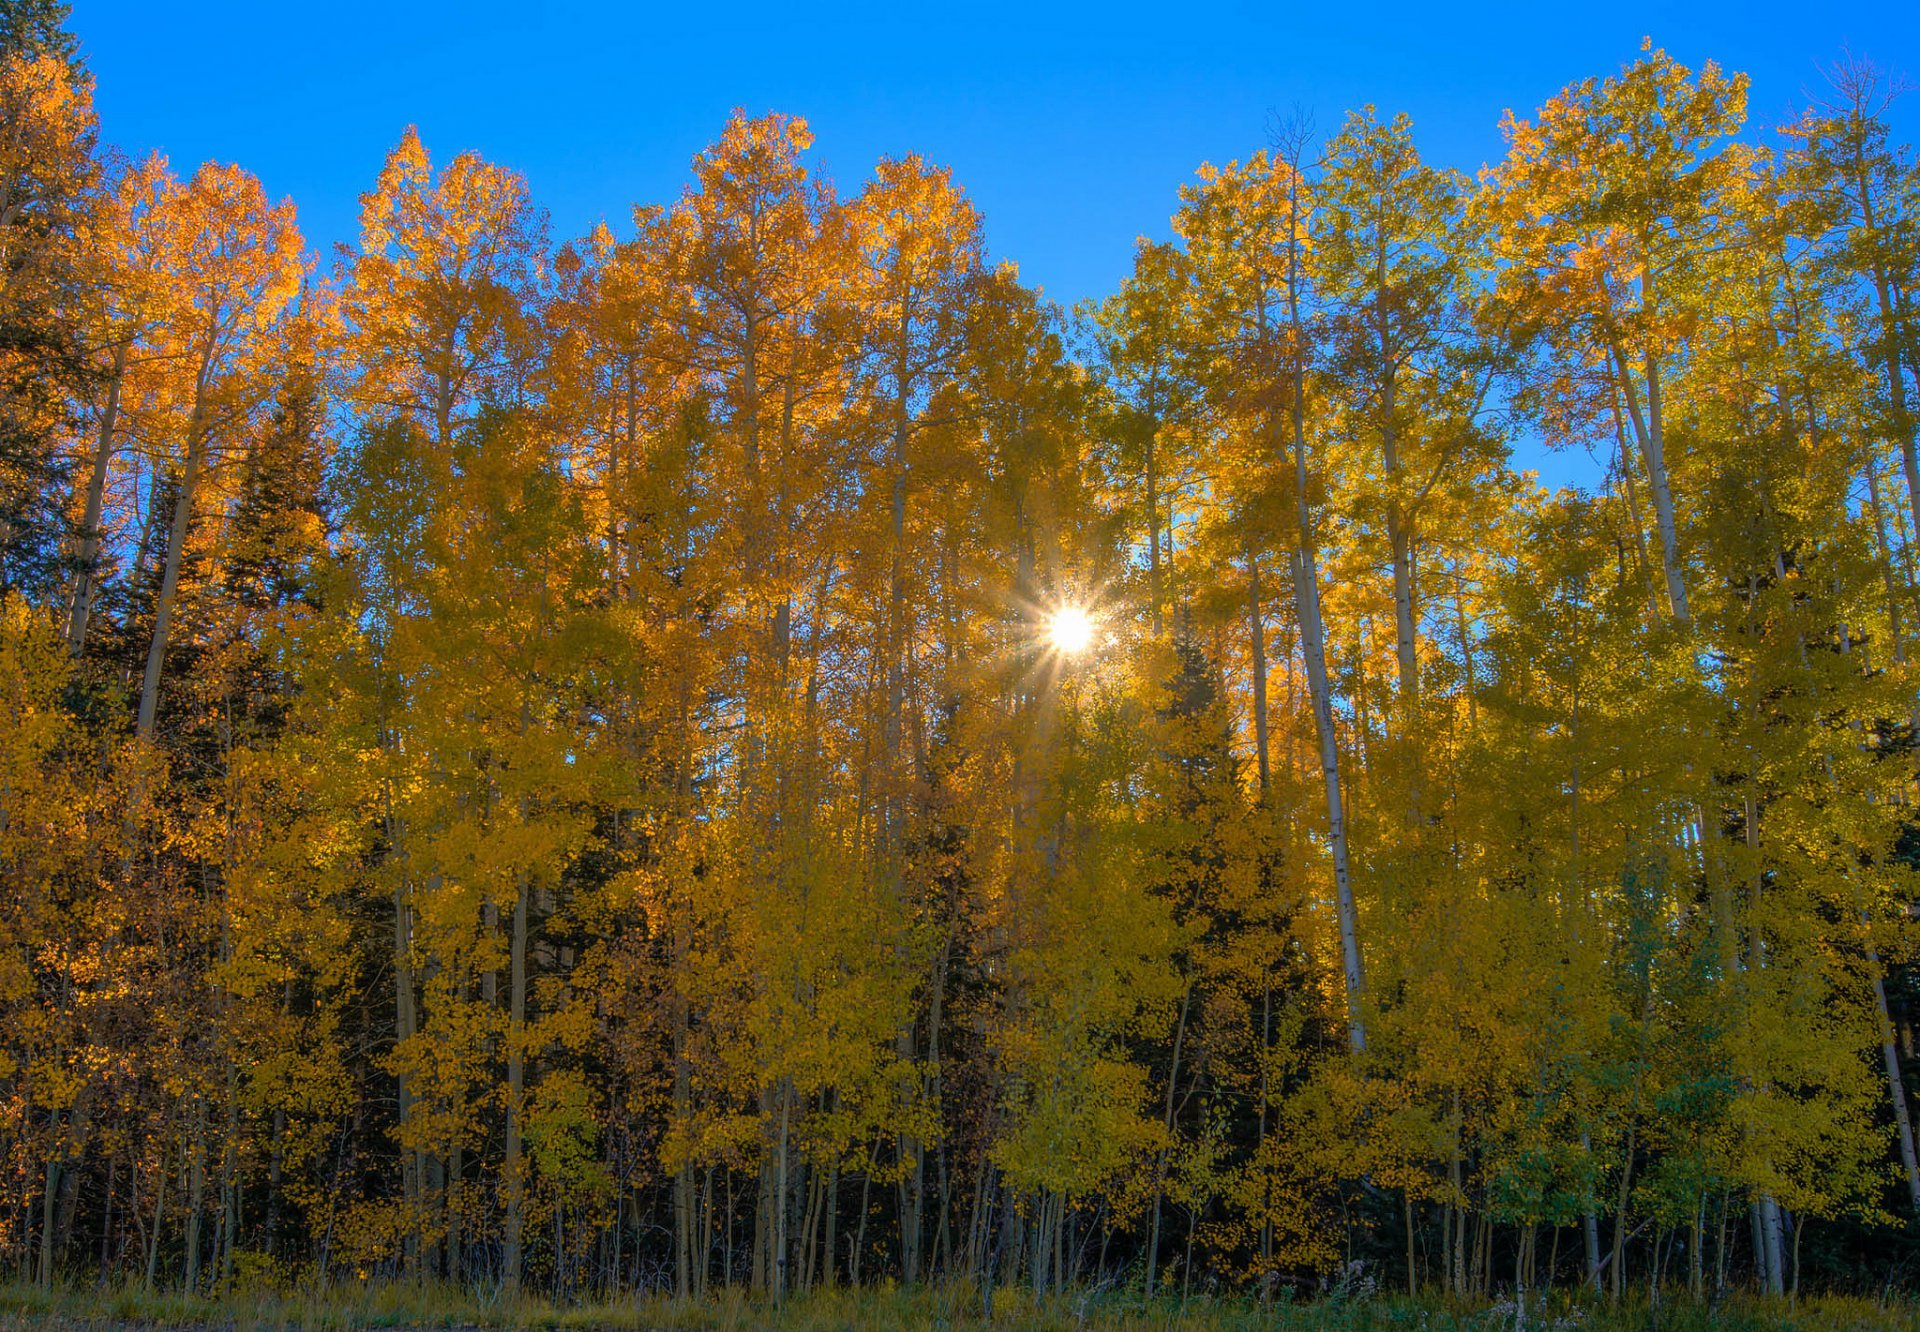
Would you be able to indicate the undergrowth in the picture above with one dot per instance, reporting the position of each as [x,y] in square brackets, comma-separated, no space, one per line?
[956,1308]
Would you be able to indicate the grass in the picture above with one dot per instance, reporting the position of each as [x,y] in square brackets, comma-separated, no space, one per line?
[958,1308]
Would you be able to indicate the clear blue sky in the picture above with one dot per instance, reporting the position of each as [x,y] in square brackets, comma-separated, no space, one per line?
[1071,126]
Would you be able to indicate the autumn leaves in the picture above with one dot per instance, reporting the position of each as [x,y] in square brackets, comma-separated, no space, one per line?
[752,749]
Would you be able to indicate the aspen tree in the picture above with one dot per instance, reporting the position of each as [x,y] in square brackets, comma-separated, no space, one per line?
[1142,337]
[435,297]
[126,302]
[920,251]
[231,265]
[1398,285]
[1246,227]
[1607,207]
[48,174]
[1866,188]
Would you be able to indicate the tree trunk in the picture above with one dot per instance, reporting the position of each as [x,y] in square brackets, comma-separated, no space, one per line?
[1413,1283]
[1883,556]
[1633,506]
[1456,1206]
[49,1193]
[87,556]
[1314,649]
[1406,643]
[1619,1258]
[230,1177]
[782,1181]
[1313,636]
[170,577]
[196,1195]
[1590,1227]
[1651,434]
[1900,420]
[1696,1250]
[513,1169]
[1257,633]
[1399,533]
[405,1021]
[183,517]
[1896,1086]
[1772,1251]
[1153,524]
[1160,1165]
[159,1214]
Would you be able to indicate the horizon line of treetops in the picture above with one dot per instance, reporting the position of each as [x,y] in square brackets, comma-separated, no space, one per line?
[546,765]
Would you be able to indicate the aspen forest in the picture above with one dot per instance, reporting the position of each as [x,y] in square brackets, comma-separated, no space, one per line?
[753,750]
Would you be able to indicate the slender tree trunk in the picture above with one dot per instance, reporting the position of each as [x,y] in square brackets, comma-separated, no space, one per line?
[1406,641]
[860,1231]
[230,1178]
[50,1192]
[514,1168]
[1153,522]
[1306,585]
[1590,1227]
[783,1180]
[275,1163]
[830,1245]
[1257,633]
[196,1195]
[72,1150]
[1663,493]
[412,1164]
[682,1114]
[1696,1250]
[704,1267]
[1633,508]
[109,1266]
[1456,1215]
[1651,434]
[159,1214]
[1899,418]
[683,1228]
[87,556]
[1314,649]
[809,1230]
[1413,1281]
[170,577]
[1399,533]
[1720,1250]
[934,1089]
[911,1187]
[689,1276]
[1160,1165]
[1619,1259]
[1896,1086]
[1883,556]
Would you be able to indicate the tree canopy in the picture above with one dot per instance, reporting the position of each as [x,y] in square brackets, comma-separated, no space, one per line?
[753,749]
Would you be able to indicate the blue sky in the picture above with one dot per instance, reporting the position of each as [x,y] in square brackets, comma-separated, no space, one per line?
[1071,125]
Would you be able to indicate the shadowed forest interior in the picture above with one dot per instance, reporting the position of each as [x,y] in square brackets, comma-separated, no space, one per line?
[750,749]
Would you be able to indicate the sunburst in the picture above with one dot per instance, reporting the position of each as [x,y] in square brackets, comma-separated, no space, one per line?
[1070,630]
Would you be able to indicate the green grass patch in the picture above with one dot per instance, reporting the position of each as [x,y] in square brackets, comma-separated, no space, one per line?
[955,1308]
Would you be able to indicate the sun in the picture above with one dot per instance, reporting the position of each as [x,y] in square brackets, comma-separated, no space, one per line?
[1070,630]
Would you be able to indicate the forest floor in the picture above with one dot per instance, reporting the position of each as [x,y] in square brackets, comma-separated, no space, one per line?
[954,1309]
